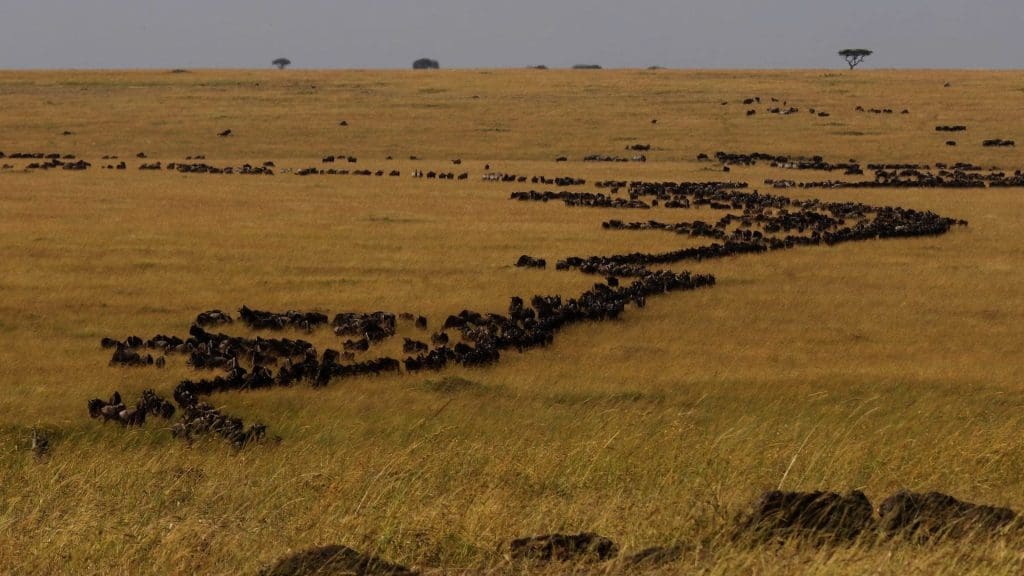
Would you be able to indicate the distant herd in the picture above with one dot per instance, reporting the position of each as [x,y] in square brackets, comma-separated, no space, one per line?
[955,175]
[751,223]
[746,223]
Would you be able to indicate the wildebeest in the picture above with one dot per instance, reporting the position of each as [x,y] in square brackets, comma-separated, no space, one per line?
[115,409]
[411,346]
[361,345]
[374,326]
[212,317]
[124,356]
[201,418]
[530,262]
[259,319]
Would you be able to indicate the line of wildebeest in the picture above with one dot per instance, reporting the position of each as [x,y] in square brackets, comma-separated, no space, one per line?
[752,223]
[957,175]
[254,363]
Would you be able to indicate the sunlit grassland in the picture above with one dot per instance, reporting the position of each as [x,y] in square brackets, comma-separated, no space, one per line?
[875,365]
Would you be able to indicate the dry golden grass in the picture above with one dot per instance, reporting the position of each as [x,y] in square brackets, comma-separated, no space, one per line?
[875,366]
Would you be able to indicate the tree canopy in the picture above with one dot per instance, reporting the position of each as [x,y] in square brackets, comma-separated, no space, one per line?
[855,56]
[281,63]
[426,64]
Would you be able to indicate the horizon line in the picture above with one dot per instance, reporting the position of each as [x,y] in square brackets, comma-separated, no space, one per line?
[653,68]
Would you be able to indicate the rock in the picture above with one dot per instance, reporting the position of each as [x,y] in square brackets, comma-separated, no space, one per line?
[587,546]
[827,515]
[334,559]
[936,515]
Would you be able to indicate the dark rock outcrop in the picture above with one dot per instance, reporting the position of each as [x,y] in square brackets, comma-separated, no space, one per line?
[815,515]
[332,560]
[931,515]
[586,546]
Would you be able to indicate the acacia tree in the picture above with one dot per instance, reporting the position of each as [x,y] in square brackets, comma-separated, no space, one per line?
[854,56]
[426,64]
[281,63]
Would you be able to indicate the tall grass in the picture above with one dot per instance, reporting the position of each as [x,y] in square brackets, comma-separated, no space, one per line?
[877,366]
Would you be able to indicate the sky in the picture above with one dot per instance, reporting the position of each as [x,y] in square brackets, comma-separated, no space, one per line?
[513,33]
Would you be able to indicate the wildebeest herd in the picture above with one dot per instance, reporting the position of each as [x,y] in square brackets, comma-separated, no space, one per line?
[746,222]
[751,222]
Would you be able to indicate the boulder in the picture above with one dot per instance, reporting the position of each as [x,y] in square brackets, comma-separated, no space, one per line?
[935,515]
[828,515]
[334,559]
[586,546]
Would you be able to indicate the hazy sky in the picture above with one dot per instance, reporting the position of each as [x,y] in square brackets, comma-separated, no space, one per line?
[511,33]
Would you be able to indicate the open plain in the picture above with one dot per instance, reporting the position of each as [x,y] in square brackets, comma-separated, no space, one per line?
[877,365]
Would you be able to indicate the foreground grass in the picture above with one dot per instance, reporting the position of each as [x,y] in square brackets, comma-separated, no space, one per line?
[876,366]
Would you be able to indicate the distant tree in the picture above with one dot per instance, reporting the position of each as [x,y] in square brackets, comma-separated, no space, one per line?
[587,67]
[539,67]
[426,64]
[282,63]
[854,56]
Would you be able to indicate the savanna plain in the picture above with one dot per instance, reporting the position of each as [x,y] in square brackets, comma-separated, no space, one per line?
[877,366]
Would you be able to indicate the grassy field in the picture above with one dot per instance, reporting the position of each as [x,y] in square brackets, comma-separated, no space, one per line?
[876,365]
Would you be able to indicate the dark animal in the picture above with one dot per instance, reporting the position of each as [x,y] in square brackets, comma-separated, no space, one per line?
[411,346]
[114,409]
[361,345]
[530,262]
[124,356]
[212,318]
[201,418]
[259,319]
